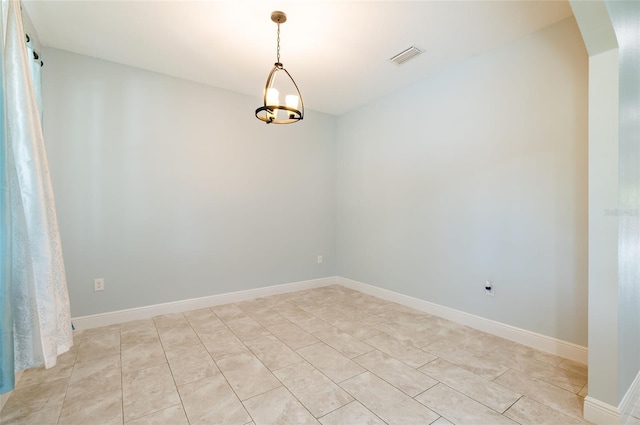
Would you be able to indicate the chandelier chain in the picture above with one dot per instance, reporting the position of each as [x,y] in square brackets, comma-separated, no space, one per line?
[278,51]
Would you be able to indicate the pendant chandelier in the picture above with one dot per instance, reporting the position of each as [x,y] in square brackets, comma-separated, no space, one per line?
[280,86]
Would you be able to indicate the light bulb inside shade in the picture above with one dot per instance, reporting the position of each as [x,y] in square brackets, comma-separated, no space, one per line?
[272,97]
[292,101]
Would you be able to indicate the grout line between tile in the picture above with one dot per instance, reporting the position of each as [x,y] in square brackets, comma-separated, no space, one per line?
[505,410]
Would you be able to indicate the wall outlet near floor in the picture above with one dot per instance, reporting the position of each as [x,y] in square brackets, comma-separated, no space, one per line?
[488,288]
[319,259]
[98,284]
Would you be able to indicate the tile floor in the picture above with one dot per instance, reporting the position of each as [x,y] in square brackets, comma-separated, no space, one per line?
[329,356]
[632,417]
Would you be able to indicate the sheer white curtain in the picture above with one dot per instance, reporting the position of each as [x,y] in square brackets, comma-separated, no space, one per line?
[6,313]
[38,290]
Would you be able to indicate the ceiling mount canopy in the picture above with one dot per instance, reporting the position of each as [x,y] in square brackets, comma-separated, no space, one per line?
[280,86]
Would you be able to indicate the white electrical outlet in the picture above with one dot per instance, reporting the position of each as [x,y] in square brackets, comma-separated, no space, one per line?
[488,288]
[319,259]
[98,284]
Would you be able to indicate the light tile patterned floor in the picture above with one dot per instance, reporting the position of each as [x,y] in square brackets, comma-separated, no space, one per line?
[329,356]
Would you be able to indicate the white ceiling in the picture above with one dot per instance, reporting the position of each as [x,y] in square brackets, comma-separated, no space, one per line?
[337,51]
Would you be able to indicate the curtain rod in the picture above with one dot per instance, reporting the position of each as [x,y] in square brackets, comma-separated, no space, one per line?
[35,54]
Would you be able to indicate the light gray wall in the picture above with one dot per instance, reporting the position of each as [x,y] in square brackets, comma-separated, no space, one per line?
[603,226]
[596,29]
[171,190]
[476,173]
[625,17]
[610,29]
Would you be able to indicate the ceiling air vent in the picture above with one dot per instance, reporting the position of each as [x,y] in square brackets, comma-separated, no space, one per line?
[407,54]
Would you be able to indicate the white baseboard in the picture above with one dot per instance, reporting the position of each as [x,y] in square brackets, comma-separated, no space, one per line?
[541,342]
[630,399]
[594,410]
[121,316]
[538,341]
[600,413]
